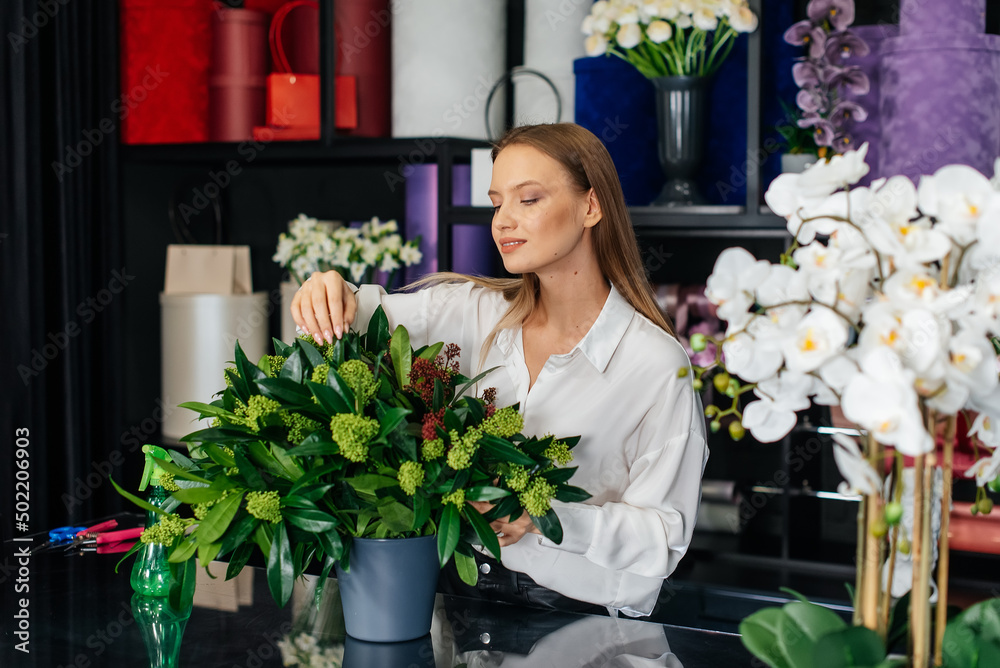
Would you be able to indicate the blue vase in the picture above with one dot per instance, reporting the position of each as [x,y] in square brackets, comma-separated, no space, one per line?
[388,593]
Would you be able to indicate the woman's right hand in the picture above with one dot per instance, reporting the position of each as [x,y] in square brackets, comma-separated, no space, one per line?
[325,306]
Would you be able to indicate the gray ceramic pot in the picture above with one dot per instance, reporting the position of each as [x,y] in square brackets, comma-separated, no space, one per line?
[388,595]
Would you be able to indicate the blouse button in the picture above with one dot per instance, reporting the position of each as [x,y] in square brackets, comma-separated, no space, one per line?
[485,569]
[485,638]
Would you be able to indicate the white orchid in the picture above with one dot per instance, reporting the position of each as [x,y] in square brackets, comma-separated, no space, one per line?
[985,469]
[956,195]
[773,415]
[882,400]
[859,476]
[818,337]
[986,428]
[731,286]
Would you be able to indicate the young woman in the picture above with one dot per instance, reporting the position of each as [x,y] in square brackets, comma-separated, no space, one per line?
[582,346]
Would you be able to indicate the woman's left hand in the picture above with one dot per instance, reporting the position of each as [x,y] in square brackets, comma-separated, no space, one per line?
[508,533]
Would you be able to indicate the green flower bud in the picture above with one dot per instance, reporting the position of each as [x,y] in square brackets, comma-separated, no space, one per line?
[537,498]
[711,410]
[504,423]
[432,449]
[715,426]
[167,482]
[265,506]
[169,528]
[994,485]
[463,448]
[682,372]
[986,506]
[698,342]
[736,430]
[517,479]
[359,378]
[879,528]
[893,513]
[559,453]
[275,363]
[698,384]
[456,498]
[411,476]
[299,426]
[352,433]
[721,381]
[320,373]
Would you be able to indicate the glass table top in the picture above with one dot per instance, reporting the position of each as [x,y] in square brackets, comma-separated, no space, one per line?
[83,614]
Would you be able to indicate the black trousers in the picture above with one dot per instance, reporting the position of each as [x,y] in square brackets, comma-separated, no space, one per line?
[497,583]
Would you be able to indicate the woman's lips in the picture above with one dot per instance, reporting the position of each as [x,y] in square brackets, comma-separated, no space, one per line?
[510,245]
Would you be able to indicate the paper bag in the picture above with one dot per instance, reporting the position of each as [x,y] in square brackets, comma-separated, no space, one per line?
[222,270]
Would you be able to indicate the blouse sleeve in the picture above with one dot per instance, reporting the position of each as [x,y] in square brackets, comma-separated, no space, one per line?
[649,529]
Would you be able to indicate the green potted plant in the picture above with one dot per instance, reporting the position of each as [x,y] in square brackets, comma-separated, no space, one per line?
[363,456]
[798,143]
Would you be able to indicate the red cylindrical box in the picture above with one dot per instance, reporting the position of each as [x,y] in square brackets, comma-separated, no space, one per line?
[364,51]
[238,74]
[165,52]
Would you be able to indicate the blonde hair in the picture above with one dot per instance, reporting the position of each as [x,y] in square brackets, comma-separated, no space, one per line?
[589,165]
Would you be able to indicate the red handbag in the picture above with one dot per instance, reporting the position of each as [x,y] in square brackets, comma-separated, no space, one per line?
[293,103]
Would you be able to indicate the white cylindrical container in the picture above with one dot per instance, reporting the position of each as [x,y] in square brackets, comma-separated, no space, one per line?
[198,341]
[552,41]
[446,56]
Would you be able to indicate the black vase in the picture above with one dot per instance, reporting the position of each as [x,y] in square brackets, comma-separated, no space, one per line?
[681,113]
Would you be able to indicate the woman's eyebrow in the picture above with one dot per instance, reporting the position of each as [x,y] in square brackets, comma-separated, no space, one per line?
[518,186]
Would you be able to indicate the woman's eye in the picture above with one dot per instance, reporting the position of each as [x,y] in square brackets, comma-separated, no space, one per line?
[496,209]
[529,201]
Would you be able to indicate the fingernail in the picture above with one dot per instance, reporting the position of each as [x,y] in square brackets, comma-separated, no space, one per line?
[318,338]
[339,330]
[328,335]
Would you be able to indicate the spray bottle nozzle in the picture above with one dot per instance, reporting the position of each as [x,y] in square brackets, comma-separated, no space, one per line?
[151,472]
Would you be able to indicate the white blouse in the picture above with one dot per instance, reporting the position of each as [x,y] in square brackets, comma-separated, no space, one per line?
[642,452]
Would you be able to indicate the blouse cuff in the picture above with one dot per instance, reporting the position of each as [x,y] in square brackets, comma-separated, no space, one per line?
[579,523]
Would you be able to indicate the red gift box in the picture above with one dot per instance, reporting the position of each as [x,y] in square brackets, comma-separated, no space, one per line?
[165,56]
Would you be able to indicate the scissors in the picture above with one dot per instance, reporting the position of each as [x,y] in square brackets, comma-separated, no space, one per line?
[58,536]
[103,542]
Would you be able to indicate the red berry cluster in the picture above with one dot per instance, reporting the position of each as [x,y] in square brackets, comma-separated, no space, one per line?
[431,421]
[423,373]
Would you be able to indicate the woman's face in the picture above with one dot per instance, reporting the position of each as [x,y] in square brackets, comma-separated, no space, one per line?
[540,218]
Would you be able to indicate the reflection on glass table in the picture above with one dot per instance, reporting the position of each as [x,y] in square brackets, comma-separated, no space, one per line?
[84,615]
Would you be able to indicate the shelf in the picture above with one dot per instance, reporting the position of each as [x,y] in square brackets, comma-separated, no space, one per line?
[405,150]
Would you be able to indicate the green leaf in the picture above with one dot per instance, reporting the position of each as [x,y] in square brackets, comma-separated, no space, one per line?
[183,576]
[311,520]
[467,569]
[472,381]
[249,372]
[239,559]
[321,445]
[218,455]
[421,512]
[397,517]
[570,494]
[193,495]
[803,625]
[331,543]
[263,458]
[559,475]
[292,467]
[207,410]
[294,368]
[238,533]
[503,450]
[248,471]
[183,551]
[487,535]
[437,399]
[848,648]
[976,631]
[170,467]
[142,503]
[208,553]
[284,391]
[401,353]
[281,348]
[280,569]
[485,493]
[508,507]
[230,434]
[263,540]
[759,634]
[313,475]
[794,594]
[391,419]
[138,545]
[370,482]
[218,519]
[377,334]
[311,353]
[449,532]
[431,352]
[329,399]
[549,525]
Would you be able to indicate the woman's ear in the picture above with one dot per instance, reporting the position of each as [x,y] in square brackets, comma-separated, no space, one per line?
[594,215]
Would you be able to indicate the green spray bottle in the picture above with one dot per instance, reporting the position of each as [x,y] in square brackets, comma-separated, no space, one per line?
[151,572]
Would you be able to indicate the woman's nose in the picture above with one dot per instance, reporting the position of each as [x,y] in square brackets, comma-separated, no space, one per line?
[501,218]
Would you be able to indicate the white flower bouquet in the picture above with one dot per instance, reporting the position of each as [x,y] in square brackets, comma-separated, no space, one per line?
[667,37]
[356,253]
[888,305]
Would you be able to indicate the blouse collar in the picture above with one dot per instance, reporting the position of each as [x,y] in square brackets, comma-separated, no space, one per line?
[600,343]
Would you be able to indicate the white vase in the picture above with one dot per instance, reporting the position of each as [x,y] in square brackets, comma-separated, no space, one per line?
[902,577]
[796,163]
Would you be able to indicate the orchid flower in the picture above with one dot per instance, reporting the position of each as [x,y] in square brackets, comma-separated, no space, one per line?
[859,476]
[840,13]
